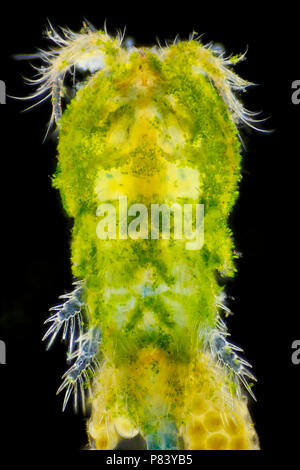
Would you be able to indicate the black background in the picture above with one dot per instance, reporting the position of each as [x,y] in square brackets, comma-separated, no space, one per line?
[35,233]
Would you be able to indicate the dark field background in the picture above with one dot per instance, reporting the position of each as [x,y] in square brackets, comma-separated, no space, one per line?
[35,233]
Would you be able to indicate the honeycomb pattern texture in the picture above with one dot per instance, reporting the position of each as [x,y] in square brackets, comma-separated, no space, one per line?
[206,414]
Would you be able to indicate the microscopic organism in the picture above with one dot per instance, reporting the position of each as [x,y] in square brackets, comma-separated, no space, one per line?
[148,168]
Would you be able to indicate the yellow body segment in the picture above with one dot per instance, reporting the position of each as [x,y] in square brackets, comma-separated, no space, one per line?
[207,415]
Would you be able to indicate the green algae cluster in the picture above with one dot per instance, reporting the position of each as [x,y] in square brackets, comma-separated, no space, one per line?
[189,126]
